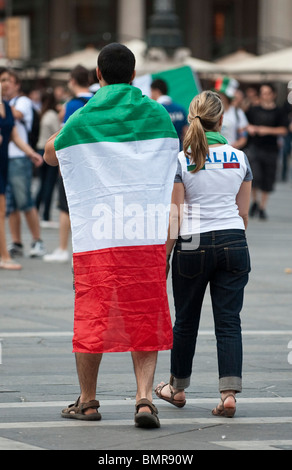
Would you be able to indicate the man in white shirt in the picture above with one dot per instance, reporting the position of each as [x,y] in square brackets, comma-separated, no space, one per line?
[19,198]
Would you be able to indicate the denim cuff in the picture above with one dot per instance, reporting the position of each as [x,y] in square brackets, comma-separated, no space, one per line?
[179,384]
[230,383]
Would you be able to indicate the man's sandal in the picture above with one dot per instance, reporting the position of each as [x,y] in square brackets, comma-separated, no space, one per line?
[222,410]
[77,411]
[171,399]
[144,419]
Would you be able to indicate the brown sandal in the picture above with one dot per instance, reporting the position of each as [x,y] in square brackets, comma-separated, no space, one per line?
[221,410]
[144,419]
[171,399]
[77,411]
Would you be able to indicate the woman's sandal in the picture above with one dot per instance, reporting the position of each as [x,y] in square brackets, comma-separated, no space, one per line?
[221,410]
[77,411]
[171,399]
[144,419]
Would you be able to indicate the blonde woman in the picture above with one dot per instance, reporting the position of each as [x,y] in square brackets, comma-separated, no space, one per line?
[210,205]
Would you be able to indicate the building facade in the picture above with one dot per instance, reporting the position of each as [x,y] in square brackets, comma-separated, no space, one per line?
[209,28]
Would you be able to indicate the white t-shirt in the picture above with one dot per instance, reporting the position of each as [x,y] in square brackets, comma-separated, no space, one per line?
[210,194]
[24,105]
[234,120]
[49,125]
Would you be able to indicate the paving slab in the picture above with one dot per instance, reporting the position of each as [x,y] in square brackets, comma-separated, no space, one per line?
[38,376]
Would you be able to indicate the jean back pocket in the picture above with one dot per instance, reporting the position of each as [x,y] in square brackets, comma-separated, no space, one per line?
[191,263]
[237,259]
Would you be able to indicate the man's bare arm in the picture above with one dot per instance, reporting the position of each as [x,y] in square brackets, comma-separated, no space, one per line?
[50,156]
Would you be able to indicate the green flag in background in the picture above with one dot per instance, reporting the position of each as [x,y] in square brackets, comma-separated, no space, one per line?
[183,84]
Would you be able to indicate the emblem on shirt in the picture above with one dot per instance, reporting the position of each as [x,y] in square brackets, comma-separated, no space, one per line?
[215,162]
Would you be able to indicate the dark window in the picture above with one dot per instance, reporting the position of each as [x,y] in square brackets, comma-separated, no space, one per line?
[95,23]
[224,28]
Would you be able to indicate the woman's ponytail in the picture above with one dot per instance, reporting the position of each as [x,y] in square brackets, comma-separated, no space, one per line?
[205,112]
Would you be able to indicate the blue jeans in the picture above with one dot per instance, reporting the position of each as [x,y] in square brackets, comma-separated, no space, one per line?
[221,260]
[48,176]
[19,197]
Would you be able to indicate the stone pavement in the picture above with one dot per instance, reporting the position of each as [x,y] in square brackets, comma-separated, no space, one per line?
[38,377]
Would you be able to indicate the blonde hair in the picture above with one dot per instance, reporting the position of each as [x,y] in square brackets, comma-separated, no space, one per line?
[205,112]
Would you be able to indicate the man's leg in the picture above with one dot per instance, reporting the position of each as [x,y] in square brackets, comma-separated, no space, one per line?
[87,369]
[15,226]
[64,232]
[144,366]
[4,255]
[32,219]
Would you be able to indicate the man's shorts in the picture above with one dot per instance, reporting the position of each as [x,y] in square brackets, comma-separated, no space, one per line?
[18,193]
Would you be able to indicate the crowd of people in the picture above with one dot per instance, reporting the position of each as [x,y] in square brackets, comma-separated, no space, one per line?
[26,123]
[253,122]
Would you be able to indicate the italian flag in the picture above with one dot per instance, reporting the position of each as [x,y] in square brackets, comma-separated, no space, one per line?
[183,84]
[227,86]
[118,159]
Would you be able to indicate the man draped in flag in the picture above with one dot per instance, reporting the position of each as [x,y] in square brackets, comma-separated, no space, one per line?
[118,158]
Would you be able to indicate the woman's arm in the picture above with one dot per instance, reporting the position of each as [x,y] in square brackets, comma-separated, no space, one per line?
[243,201]
[175,218]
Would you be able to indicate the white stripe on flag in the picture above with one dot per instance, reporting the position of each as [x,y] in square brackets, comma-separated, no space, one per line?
[214,166]
[114,192]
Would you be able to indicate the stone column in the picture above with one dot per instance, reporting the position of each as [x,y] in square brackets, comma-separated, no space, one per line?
[274,24]
[131,20]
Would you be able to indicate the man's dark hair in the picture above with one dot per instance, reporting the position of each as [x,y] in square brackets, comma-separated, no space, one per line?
[160,85]
[15,75]
[81,75]
[116,63]
[3,70]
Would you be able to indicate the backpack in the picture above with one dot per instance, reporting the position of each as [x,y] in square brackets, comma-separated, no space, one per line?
[33,133]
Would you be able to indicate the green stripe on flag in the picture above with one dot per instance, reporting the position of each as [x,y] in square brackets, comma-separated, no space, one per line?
[117,113]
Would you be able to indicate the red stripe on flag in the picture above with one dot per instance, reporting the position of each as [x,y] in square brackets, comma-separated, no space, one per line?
[121,301]
[231,165]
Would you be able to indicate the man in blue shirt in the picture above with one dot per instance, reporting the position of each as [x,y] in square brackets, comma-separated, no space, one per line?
[178,115]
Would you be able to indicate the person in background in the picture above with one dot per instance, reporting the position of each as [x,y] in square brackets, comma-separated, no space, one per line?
[235,123]
[267,122]
[8,133]
[78,85]
[251,97]
[62,95]
[93,81]
[35,97]
[211,249]
[178,115]
[48,175]
[287,141]
[20,171]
